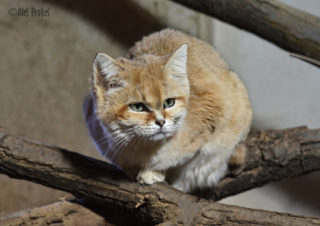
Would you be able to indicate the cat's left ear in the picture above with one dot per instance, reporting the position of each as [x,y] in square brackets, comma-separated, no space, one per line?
[106,74]
[177,64]
[105,67]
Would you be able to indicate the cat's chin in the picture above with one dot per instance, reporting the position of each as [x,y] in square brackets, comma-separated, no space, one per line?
[159,136]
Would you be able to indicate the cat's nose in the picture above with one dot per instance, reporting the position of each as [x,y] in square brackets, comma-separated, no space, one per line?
[160,122]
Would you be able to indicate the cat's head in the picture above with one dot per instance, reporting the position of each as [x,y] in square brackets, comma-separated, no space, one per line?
[145,97]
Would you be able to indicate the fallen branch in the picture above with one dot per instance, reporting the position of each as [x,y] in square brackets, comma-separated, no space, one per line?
[270,153]
[289,28]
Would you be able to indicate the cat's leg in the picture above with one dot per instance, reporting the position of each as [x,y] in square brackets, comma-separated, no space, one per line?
[209,165]
[203,171]
[165,158]
[150,176]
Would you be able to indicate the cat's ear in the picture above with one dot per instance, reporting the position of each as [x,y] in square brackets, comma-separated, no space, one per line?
[177,64]
[105,67]
[106,74]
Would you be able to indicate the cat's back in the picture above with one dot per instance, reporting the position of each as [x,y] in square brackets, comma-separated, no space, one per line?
[164,42]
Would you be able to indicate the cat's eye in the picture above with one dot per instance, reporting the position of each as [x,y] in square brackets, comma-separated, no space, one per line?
[138,107]
[168,103]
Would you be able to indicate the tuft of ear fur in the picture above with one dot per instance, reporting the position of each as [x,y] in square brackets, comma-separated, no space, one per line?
[177,64]
[105,75]
[105,66]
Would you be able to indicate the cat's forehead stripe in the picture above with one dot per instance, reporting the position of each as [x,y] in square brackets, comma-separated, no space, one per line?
[152,92]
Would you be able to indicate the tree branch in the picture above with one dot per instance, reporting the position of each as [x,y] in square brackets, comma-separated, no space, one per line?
[61,212]
[272,155]
[83,212]
[287,27]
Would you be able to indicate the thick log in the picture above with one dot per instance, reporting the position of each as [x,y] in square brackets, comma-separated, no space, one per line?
[105,184]
[281,24]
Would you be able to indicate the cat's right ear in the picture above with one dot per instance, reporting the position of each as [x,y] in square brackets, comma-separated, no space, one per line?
[105,74]
[177,63]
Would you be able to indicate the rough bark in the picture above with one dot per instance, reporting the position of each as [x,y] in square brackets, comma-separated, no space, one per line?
[59,213]
[81,213]
[72,211]
[283,25]
[272,155]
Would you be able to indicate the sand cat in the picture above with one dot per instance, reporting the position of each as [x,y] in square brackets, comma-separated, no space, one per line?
[170,111]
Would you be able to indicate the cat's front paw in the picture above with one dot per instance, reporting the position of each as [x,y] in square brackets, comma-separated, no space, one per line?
[150,177]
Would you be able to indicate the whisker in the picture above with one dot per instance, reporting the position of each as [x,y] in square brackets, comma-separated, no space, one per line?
[121,143]
[113,136]
[118,152]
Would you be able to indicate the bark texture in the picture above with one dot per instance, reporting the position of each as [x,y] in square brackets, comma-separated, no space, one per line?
[272,155]
[283,25]
[59,213]
[81,214]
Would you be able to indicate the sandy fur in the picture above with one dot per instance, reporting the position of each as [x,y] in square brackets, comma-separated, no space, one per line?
[212,106]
